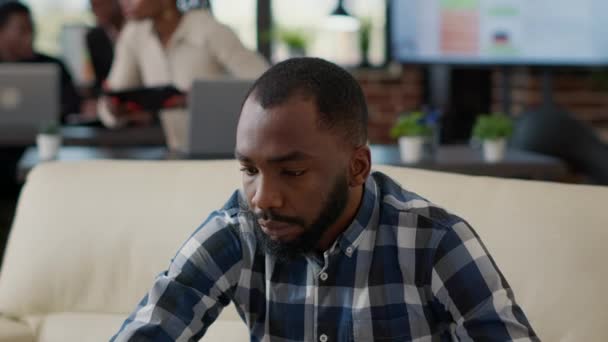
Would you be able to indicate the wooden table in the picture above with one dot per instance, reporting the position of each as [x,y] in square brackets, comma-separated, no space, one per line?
[466,160]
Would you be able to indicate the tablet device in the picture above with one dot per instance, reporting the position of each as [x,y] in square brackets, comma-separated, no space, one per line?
[147,98]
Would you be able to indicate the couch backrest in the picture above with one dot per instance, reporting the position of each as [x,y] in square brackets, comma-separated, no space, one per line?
[91,236]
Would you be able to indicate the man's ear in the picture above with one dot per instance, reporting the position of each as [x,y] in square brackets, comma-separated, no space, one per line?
[360,166]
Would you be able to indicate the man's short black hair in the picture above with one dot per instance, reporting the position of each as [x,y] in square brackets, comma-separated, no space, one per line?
[8,9]
[338,96]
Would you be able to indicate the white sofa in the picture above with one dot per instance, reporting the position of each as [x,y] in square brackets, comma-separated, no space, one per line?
[89,238]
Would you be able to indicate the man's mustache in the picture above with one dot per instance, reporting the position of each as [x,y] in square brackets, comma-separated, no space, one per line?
[270,216]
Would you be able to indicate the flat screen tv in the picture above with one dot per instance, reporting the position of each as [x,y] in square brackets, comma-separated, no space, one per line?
[509,32]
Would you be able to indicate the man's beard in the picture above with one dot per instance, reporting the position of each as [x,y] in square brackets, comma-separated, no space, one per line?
[285,251]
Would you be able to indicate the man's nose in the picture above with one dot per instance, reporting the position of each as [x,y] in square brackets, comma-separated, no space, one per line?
[267,194]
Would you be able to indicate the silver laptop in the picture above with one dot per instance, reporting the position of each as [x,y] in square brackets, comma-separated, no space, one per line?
[213,116]
[29,98]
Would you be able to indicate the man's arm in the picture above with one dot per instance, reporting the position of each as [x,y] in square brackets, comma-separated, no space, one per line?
[469,285]
[186,300]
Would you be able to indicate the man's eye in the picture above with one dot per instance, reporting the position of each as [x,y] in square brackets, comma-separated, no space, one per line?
[249,171]
[294,173]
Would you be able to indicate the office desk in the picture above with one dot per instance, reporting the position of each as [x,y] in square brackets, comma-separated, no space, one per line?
[463,159]
[457,159]
[78,153]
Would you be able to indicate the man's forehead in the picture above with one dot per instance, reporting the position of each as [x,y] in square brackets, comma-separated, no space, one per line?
[300,109]
[286,132]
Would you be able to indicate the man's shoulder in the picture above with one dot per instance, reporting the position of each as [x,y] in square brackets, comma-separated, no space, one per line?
[227,219]
[402,207]
[42,58]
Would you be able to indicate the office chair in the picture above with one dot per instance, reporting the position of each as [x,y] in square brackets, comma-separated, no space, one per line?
[553,132]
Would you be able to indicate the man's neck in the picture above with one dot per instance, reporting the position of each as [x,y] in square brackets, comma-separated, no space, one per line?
[344,221]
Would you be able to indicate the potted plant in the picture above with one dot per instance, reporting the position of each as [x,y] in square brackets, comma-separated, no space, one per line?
[411,130]
[48,141]
[364,40]
[493,131]
[295,40]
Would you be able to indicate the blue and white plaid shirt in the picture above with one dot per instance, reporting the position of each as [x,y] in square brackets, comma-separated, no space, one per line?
[404,270]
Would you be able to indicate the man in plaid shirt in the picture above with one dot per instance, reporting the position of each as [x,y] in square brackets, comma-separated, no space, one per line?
[316,247]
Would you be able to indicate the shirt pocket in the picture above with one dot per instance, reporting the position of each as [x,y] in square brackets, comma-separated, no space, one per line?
[386,330]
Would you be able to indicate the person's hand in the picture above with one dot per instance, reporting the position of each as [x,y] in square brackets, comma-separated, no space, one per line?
[129,112]
[176,101]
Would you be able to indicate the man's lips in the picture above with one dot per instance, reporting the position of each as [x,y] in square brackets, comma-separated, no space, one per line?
[278,230]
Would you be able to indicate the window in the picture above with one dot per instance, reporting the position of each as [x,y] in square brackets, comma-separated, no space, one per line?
[59,22]
[50,16]
[240,15]
[60,29]
[308,19]
[375,12]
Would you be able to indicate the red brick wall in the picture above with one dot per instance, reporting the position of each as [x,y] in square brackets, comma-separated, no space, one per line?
[576,91]
[388,93]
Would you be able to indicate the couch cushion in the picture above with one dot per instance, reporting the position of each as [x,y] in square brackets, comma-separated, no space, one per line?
[12,331]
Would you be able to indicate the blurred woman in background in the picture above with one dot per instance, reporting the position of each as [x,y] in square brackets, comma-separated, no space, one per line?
[101,39]
[162,46]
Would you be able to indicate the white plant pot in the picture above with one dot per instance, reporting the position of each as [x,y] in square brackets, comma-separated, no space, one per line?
[494,150]
[410,149]
[48,146]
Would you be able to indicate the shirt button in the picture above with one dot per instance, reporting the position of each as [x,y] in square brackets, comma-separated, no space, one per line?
[324,278]
[349,250]
[323,338]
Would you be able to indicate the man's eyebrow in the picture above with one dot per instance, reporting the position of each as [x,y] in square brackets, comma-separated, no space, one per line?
[241,157]
[291,156]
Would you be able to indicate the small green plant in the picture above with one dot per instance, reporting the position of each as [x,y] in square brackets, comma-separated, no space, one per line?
[50,128]
[493,126]
[411,125]
[365,38]
[295,39]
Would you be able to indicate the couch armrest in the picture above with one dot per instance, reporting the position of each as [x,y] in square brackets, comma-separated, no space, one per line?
[14,331]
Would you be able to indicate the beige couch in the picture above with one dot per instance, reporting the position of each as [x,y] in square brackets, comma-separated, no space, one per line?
[89,238]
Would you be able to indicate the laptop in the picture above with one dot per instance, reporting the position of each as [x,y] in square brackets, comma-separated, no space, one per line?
[214,112]
[29,98]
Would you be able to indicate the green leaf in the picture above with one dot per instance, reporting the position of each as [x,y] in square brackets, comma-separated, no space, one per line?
[50,128]
[410,125]
[492,127]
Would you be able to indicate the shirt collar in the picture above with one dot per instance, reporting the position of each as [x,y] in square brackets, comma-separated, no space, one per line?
[367,217]
[183,30]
